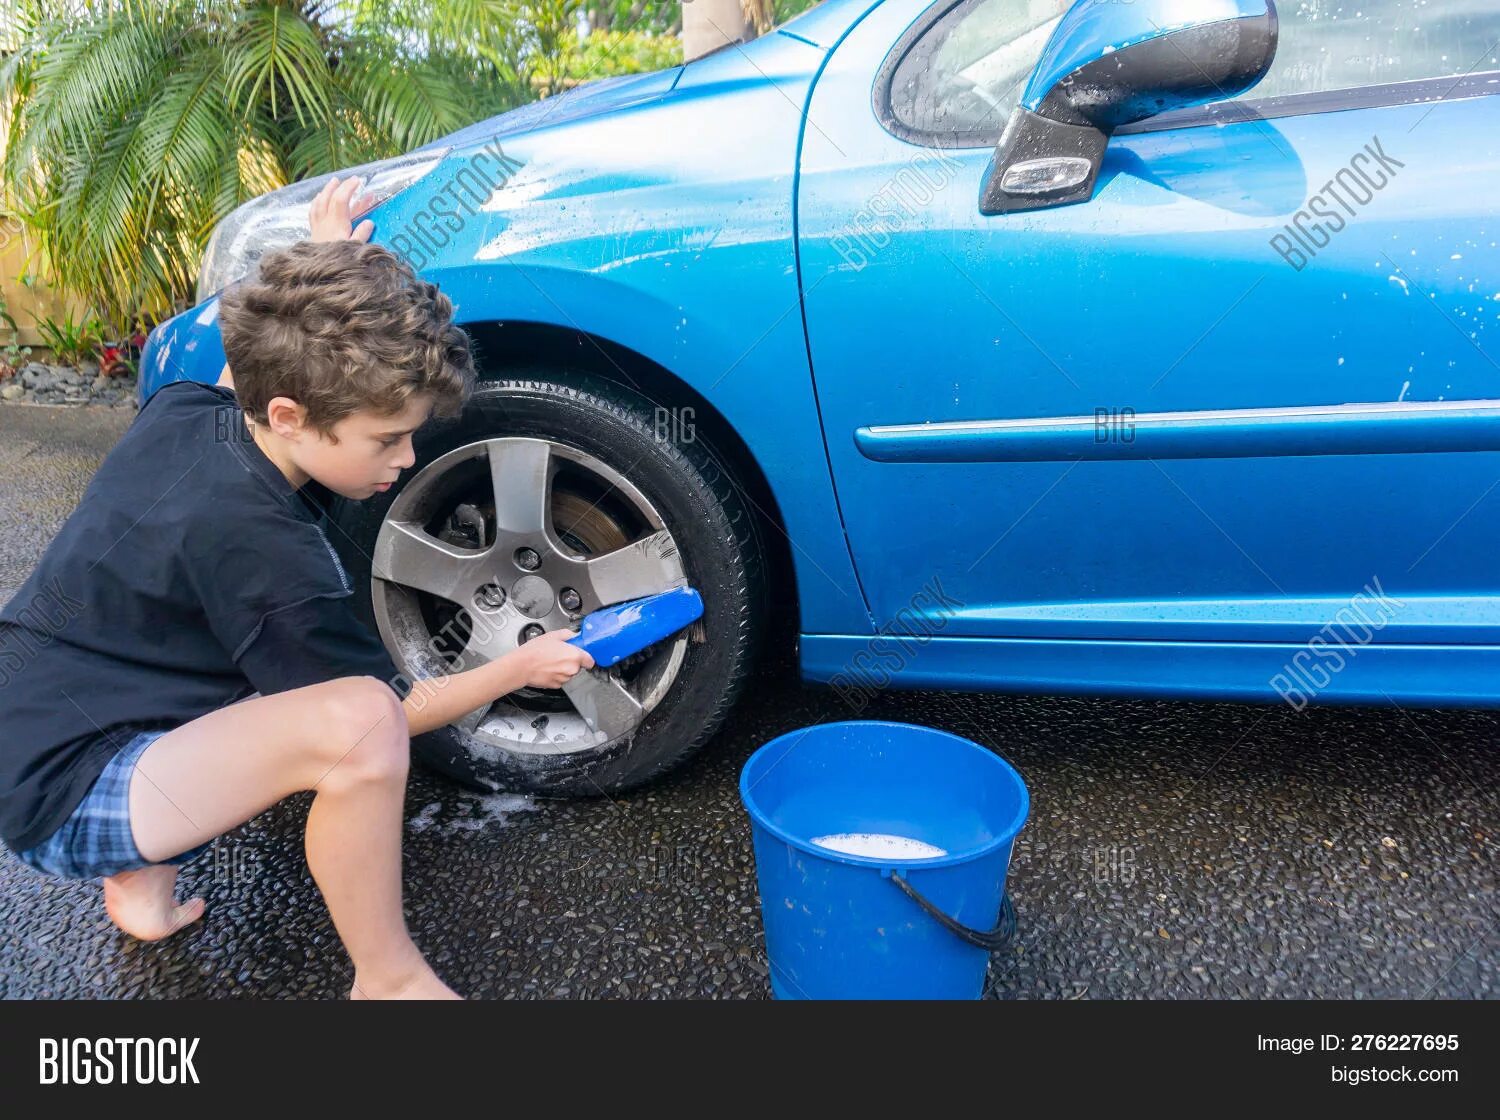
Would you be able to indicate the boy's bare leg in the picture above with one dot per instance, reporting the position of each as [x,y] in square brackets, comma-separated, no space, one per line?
[347,740]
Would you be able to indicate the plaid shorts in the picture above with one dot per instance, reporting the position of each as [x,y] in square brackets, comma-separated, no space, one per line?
[96,840]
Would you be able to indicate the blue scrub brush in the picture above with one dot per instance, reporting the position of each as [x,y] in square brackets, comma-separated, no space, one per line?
[614,633]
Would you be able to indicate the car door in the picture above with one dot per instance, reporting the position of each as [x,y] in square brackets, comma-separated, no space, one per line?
[1254,376]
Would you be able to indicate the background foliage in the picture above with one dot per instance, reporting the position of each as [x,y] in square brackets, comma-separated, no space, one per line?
[131,127]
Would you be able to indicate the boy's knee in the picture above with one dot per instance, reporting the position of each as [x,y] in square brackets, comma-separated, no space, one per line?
[366,734]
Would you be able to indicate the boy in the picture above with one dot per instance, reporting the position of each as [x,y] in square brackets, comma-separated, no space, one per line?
[184,656]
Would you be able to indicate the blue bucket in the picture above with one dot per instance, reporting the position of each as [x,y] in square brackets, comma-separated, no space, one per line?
[871,926]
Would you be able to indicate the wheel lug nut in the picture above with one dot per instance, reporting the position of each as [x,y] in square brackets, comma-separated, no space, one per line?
[571,601]
[490,597]
[527,559]
[531,631]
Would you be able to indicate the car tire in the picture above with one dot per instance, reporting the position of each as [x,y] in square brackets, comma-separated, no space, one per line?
[715,534]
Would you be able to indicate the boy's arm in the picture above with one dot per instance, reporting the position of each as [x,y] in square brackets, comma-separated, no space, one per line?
[546,661]
[317,637]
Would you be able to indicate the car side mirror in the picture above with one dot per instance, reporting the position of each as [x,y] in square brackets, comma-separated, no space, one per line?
[1109,64]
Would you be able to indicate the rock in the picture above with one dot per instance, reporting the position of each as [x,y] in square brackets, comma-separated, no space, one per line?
[11,391]
[100,384]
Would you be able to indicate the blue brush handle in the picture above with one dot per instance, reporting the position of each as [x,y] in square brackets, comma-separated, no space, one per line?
[612,634]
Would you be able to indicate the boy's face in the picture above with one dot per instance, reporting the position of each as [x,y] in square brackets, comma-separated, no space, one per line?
[371,452]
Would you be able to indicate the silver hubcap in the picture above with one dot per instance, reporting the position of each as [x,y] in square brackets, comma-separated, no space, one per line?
[502,539]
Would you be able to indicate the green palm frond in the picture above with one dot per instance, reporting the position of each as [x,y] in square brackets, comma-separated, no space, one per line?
[136,125]
[278,53]
[258,164]
[406,101]
[336,143]
[186,129]
[88,74]
[448,23]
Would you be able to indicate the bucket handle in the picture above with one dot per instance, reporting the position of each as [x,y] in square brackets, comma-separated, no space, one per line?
[993,940]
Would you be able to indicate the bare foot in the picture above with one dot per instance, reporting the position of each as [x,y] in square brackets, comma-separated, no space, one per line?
[422,983]
[141,902]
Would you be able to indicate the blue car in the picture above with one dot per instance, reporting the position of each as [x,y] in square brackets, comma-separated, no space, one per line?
[1139,348]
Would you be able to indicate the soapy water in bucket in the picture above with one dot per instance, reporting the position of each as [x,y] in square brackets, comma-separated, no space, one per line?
[878,845]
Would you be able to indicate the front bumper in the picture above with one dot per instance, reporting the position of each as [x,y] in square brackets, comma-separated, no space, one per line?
[186,347]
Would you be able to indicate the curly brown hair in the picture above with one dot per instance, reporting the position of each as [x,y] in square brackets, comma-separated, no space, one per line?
[339,327]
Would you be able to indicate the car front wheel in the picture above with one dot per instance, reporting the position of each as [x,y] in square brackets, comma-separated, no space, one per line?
[553,496]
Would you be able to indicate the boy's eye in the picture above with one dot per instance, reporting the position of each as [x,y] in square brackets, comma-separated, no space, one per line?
[390,442]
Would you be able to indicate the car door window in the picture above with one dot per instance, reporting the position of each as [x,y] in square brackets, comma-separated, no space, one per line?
[955,79]
[1333,44]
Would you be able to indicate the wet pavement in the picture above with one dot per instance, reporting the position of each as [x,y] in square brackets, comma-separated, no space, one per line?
[1174,850]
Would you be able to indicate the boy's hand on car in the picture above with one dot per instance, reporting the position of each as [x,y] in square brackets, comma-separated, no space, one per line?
[330,216]
[549,662]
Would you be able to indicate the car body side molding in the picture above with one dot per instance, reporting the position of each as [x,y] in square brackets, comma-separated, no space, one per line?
[1424,675]
[1346,429]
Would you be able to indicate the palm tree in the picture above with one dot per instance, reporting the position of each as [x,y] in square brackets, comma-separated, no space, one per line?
[136,125]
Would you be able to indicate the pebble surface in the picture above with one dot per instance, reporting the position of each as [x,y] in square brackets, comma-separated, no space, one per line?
[40,383]
[1174,850]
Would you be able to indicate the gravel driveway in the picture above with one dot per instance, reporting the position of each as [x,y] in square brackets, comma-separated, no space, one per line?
[1174,850]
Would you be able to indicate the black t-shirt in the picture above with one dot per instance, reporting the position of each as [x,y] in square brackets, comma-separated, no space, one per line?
[191,575]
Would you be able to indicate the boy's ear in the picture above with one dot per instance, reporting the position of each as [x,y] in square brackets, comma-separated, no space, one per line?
[285,416]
